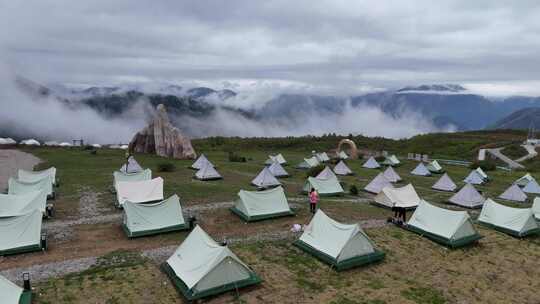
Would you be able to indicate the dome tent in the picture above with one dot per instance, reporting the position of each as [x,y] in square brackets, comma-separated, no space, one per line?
[277,170]
[308,163]
[140,192]
[391,175]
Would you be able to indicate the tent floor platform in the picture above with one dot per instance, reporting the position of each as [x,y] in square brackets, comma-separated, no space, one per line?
[509,231]
[358,261]
[466,241]
[25,249]
[190,295]
[263,217]
[135,234]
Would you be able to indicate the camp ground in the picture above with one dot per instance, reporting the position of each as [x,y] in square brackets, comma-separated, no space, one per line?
[201,162]
[391,175]
[119,176]
[35,176]
[445,183]
[207,172]
[377,184]
[532,187]
[524,180]
[308,163]
[371,163]
[154,218]
[342,169]
[435,167]
[22,233]
[19,204]
[518,222]
[404,197]
[13,294]
[265,179]
[474,178]
[325,187]
[391,160]
[139,192]
[276,159]
[261,205]
[467,197]
[514,193]
[342,246]
[277,170]
[16,186]
[200,267]
[421,170]
[131,166]
[447,227]
[326,173]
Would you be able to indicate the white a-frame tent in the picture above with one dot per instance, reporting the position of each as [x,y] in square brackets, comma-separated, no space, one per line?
[518,222]
[371,163]
[200,267]
[308,163]
[143,175]
[467,197]
[277,170]
[35,176]
[131,166]
[265,179]
[325,187]
[13,294]
[342,169]
[322,157]
[445,183]
[276,159]
[391,175]
[16,186]
[524,180]
[201,162]
[404,197]
[377,184]
[474,178]
[207,172]
[154,218]
[19,204]
[340,245]
[532,187]
[139,192]
[342,155]
[261,205]
[21,233]
[514,193]
[326,173]
[435,167]
[421,170]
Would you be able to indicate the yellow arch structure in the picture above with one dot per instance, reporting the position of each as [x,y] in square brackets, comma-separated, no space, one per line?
[353,151]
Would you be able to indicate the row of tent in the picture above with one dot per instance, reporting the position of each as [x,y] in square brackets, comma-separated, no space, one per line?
[34,142]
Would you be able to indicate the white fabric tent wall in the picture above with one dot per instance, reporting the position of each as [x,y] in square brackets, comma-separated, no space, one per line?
[342,169]
[35,176]
[19,204]
[265,179]
[405,197]
[144,175]
[514,193]
[140,192]
[474,178]
[536,208]
[371,163]
[532,187]
[445,183]
[434,166]
[482,173]
[16,186]
[391,175]
[468,197]
[11,293]
[145,217]
[277,170]
[421,170]
[377,184]
[20,231]
[256,203]
[207,172]
[518,220]
[200,162]
[326,173]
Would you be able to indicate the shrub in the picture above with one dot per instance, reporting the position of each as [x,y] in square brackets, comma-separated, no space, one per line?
[233,157]
[166,167]
[314,171]
[353,190]
[486,165]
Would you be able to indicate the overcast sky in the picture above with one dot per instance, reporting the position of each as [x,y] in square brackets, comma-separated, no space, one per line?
[324,46]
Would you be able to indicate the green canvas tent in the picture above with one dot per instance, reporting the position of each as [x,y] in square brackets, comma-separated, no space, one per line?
[536,208]
[143,175]
[524,180]
[377,184]
[276,159]
[467,197]
[131,166]
[391,160]
[517,222]
[421,170]
[404,197]
[200,163]
[371,163]
[325,187]
[343,155]
[21,233]
[140,192]
[16,186]
[450,228]
[308,163]
[19,204]
[391,175]
[261,205]
[200,267]
[342,169]
[154,218]
[265,179]
[13,294]
[34,176]
[445,183]
[435,167]
[514,193]
[342,246]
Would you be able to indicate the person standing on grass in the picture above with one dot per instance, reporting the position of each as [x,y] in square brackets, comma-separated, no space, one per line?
[313,200]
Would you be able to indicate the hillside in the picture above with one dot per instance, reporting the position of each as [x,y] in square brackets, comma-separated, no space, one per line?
[521,119]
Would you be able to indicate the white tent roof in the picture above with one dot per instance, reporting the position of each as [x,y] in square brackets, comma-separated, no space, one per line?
[20,231]
[524,180]
[343,155]
[474,178]
[467,197]
[143,175]
[34,176]
[482,173]
[517,220]
[514,193]
[199,163]
[449,224]
[421,170]
[445,183]
[322,157]
[199,256]
[132,166]
[323,186]
[532,187]
[277,170]
[18,204]
[140,191]
[30,142]
[392,160]
[377,184]
[371,163]
[326,173]
[335,239]
[276,158]
[536,208]
[207,172]
[405,197]
[342,169]
[265,179]
[309,163]
[11,293]
[256,203]
[391,175]
[16,186]
[434,166]
[145,217]
[7,141]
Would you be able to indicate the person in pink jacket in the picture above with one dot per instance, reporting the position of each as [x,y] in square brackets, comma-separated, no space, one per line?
[313,200]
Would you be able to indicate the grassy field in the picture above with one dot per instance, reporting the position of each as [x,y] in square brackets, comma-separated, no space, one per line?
[500,269]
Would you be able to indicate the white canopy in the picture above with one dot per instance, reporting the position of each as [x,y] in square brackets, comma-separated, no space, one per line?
[329,186]
[200,162]
[377,184]
[404,197]
[140,191]
[326,173]
[207,172]
[342,169]
[18,204]
[309,163]
[532,187]
[514,193]
[34,176]
[536,208]
[445,183]
[132,166]
[467,197]
[517,221]
[144,175]
[337,240]
[140,219]
[20,231]
[262,203]
[15,186]
[474,178]
[421,170]
[371,163]
[391,175]
[203,264]
[265,179]
[277,170]
[11,293]
[524,180]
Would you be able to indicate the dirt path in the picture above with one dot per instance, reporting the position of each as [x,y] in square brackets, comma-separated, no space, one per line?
[13,160]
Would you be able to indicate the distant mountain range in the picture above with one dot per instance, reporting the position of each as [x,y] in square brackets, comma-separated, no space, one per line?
[520,119]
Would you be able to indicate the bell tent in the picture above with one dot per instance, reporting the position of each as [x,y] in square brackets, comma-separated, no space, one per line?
[467,197]
[322,157]
[391,175]
[131,166]
[265,179]
[326,173]
[481,172]
[21,233]
[371,163]
[207,172]
[16,186]
[277,170]
[524,180]
[261,205]
[377,184]
[532,187]
[445,183]
[404,197]
[342,169]
[517,222]
[421,170]
[308,163]
[435,167]
[276,159]
[325,187]
[391,160]
[200,163]
[19,204]
[140,192]
[514,193]
[342,246]
[474,178]
[13,294]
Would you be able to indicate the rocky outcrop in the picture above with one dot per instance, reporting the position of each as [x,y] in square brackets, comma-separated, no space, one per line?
[162,138]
